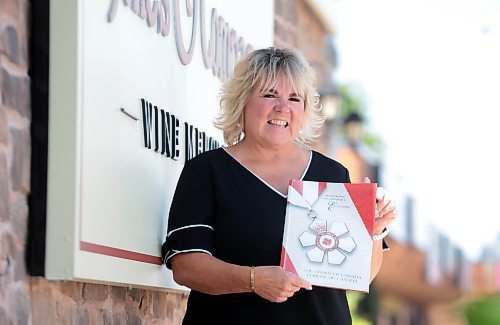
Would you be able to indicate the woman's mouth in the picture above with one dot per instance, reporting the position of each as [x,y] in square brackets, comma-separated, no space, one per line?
[278,123]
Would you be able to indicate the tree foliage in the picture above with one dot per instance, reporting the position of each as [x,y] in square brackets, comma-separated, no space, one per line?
[350,102]
[353,102]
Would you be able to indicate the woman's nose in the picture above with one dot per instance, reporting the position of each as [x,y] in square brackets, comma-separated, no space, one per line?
[282,105]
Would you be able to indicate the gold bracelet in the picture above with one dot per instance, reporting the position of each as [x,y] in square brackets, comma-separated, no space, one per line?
[252,279]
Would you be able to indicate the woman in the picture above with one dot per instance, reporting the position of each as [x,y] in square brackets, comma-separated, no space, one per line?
[227,216]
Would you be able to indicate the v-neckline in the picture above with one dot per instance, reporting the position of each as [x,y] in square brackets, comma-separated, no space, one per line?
[262,180]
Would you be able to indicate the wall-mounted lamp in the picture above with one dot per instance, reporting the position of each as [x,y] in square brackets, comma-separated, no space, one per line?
[353,128]
[330,100]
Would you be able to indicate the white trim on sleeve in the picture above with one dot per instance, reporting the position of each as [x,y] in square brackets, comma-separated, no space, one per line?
[190,226]
[167,257]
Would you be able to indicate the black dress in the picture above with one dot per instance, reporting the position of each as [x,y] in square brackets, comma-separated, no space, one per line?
[223,209]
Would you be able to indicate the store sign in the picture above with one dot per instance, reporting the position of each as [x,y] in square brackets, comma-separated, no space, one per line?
[134,90]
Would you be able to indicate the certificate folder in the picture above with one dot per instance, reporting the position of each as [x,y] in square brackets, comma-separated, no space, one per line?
[327,238]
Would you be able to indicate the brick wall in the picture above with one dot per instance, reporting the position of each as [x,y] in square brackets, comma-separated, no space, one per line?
[296,25]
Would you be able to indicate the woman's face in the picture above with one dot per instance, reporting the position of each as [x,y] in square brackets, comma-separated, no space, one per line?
[273,117]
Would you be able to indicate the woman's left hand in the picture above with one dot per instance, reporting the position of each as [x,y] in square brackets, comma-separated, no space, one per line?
[385,210]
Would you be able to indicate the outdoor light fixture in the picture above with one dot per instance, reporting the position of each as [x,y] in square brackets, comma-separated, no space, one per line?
[330,100]
[353,128]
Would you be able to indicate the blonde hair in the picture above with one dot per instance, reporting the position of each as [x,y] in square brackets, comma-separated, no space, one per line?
[262,68]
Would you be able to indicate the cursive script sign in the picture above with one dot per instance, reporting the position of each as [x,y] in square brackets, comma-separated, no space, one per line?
[220,52]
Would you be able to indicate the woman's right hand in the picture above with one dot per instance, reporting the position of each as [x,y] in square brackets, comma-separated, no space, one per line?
[277,285]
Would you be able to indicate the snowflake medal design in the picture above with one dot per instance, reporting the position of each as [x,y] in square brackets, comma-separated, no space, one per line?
[331,241]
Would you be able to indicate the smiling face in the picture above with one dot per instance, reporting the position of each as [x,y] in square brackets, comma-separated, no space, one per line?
[273,117]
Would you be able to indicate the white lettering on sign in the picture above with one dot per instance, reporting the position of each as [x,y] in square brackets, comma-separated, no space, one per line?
[222,50]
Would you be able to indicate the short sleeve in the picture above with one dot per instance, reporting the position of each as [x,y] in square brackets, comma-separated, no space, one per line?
[192,213]
[347,177]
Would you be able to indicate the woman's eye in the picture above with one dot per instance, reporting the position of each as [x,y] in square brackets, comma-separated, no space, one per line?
[269,95]
[295,99]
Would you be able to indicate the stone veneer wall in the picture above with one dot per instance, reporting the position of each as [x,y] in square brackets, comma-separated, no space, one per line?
[15,116]
[85,303]
[34,300]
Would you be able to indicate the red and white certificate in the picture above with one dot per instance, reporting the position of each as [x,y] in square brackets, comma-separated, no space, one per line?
[328,232]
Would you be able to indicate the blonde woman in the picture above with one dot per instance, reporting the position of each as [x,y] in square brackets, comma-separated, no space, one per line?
[227,216]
